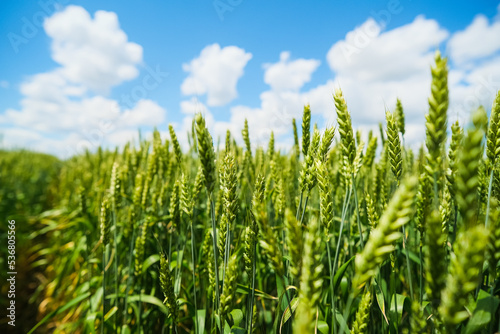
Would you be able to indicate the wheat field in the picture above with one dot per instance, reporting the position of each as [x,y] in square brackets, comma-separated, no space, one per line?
[335,235]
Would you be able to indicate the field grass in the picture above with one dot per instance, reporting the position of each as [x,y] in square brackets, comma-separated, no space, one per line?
[328,237]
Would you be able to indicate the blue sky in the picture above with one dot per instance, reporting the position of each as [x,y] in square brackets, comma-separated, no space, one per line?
[77,74]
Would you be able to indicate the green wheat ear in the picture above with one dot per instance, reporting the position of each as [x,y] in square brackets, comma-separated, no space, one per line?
[167,286]
[83,200]
[174,210]
[248,254]
[360,325]
[494,238]
[228,295]
[270,148]
[294,242]
[269,243]
[307,178]
[493,141]
[115,185]
[345,127]
[326,142]
[465,267]
[381,241]
[435,259]
[138,187]
[325,196]
[394,146]
[227,145]
[436,119]
[295,133]
[246,136]
[400,116]
[140,245]
[306,129]
[105,221]
[310,280]
[228,184]
[455,144]
[185,199]
[418,321]
[175,142]
[467,178]
[198,185]
[206,153]
[371,150]
[209,265]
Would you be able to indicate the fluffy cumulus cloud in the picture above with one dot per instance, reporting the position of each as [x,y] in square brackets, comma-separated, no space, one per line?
[286,75]
[94,52]
[479,40]
[475,75]
[374,67]
[371,66]
[283,101]
[62,111]
[216,73]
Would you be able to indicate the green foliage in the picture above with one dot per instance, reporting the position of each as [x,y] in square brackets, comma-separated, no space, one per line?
[133,233]
[465,268]
[380,244]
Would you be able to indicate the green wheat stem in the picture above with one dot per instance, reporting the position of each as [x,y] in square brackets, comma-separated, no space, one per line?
[129,278]
[408,267]
[346,312]
[103,286]
[300,205]
[139,321]
[421,276]
[253,286]
[345,206]
[357,212]
[347,199]
[304,209]
[226,257]
[405,240]
[193,259]
[117,276]
[394,295]
[214,238]
[332,292]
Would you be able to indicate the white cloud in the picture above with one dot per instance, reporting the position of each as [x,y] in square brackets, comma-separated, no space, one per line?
[60,113]
[388,56]
[471,88]
[280,104]
[479,40]
[193,106]
[145,112]
[373,68]
[93,52]
[216,73]
[289,75]
[475,78]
